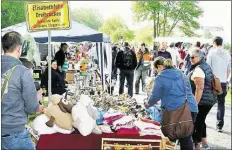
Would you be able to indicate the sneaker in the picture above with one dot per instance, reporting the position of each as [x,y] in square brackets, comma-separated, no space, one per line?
[206,146]
[219,130]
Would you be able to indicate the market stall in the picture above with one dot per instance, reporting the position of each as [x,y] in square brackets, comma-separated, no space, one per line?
[77,33]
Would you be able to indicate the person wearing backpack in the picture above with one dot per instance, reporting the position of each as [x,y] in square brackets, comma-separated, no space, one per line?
[126,62]
[143,59]
[18,95]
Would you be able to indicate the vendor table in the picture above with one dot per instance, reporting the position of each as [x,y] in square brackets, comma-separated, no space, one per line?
[93,141]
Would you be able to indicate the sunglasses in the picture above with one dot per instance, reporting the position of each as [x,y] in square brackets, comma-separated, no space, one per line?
[192,57]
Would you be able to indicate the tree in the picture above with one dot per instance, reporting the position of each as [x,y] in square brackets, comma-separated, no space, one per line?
[88,16]
[145,35]
[168,15]
[115,27]
[12,12]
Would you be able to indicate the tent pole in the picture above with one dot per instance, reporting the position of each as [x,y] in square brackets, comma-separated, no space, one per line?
[49,66]
[102,66]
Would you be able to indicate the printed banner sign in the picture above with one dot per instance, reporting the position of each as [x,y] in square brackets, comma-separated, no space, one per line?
[47,15]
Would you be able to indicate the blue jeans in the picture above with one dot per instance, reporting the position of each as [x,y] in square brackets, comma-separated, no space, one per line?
[20,141]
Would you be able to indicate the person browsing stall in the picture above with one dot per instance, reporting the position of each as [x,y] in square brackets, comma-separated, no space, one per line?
[169,87]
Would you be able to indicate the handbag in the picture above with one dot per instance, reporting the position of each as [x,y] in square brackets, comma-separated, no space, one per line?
[216,84]
[177,124]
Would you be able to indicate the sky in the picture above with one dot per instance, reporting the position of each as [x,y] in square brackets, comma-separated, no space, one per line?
[216,13]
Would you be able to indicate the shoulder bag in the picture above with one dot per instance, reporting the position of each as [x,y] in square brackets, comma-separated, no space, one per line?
[177,124]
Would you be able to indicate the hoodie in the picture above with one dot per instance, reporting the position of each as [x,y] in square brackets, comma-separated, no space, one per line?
[20,98]
[169,87]
[220,62]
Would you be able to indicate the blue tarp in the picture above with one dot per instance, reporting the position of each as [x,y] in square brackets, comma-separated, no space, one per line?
[77,33]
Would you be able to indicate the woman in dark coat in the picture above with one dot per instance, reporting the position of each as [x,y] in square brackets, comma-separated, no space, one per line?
[58,84]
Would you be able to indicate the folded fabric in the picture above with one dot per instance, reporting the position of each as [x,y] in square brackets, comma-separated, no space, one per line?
[122,121]
[145,126]
[111,118]
[151,121]
[105,129]
[97,130]
[126,131]
[39,126]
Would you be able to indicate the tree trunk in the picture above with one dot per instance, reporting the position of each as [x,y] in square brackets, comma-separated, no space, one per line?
[158,24]
[164,24]
[173,26]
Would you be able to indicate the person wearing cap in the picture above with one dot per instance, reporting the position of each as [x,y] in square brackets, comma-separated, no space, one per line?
[144,64]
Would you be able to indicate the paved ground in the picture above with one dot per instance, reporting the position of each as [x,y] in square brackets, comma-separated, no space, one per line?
[216,140]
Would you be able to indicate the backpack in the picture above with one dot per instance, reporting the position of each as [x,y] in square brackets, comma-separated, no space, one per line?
[127,58]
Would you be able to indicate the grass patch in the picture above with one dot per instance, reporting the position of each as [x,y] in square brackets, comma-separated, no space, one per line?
[228,97]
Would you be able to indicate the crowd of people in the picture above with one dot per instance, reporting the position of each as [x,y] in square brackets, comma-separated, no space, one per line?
[200,66]
[21,95]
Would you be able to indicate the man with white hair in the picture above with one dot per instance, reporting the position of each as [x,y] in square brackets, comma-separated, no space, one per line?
[163,51]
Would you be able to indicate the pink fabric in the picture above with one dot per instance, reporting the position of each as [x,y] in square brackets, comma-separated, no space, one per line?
[111,119]
[151,121]
[127,131]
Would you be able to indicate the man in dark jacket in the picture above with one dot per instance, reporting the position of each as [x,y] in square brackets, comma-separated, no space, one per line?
[19,96]
[60,57]
[126,62]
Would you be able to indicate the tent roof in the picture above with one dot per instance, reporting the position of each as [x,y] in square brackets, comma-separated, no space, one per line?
[77,33]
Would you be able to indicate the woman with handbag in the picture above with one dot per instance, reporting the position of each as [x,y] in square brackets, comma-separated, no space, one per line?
[201,77]
[179,107]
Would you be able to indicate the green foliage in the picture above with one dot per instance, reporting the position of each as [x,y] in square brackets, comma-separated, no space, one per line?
[88,16]
[167,15]
[115,27]
[12,12]
[228,46]
[144,34]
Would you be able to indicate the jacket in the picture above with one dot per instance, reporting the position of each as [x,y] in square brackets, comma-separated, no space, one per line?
[58,84]
[220,62]
[60,58]
[169,87]
[208,97]
[146,58]
[20,98]
[119,60]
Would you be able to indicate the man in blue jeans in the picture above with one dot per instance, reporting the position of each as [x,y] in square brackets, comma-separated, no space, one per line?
[220,62]
[19,95]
